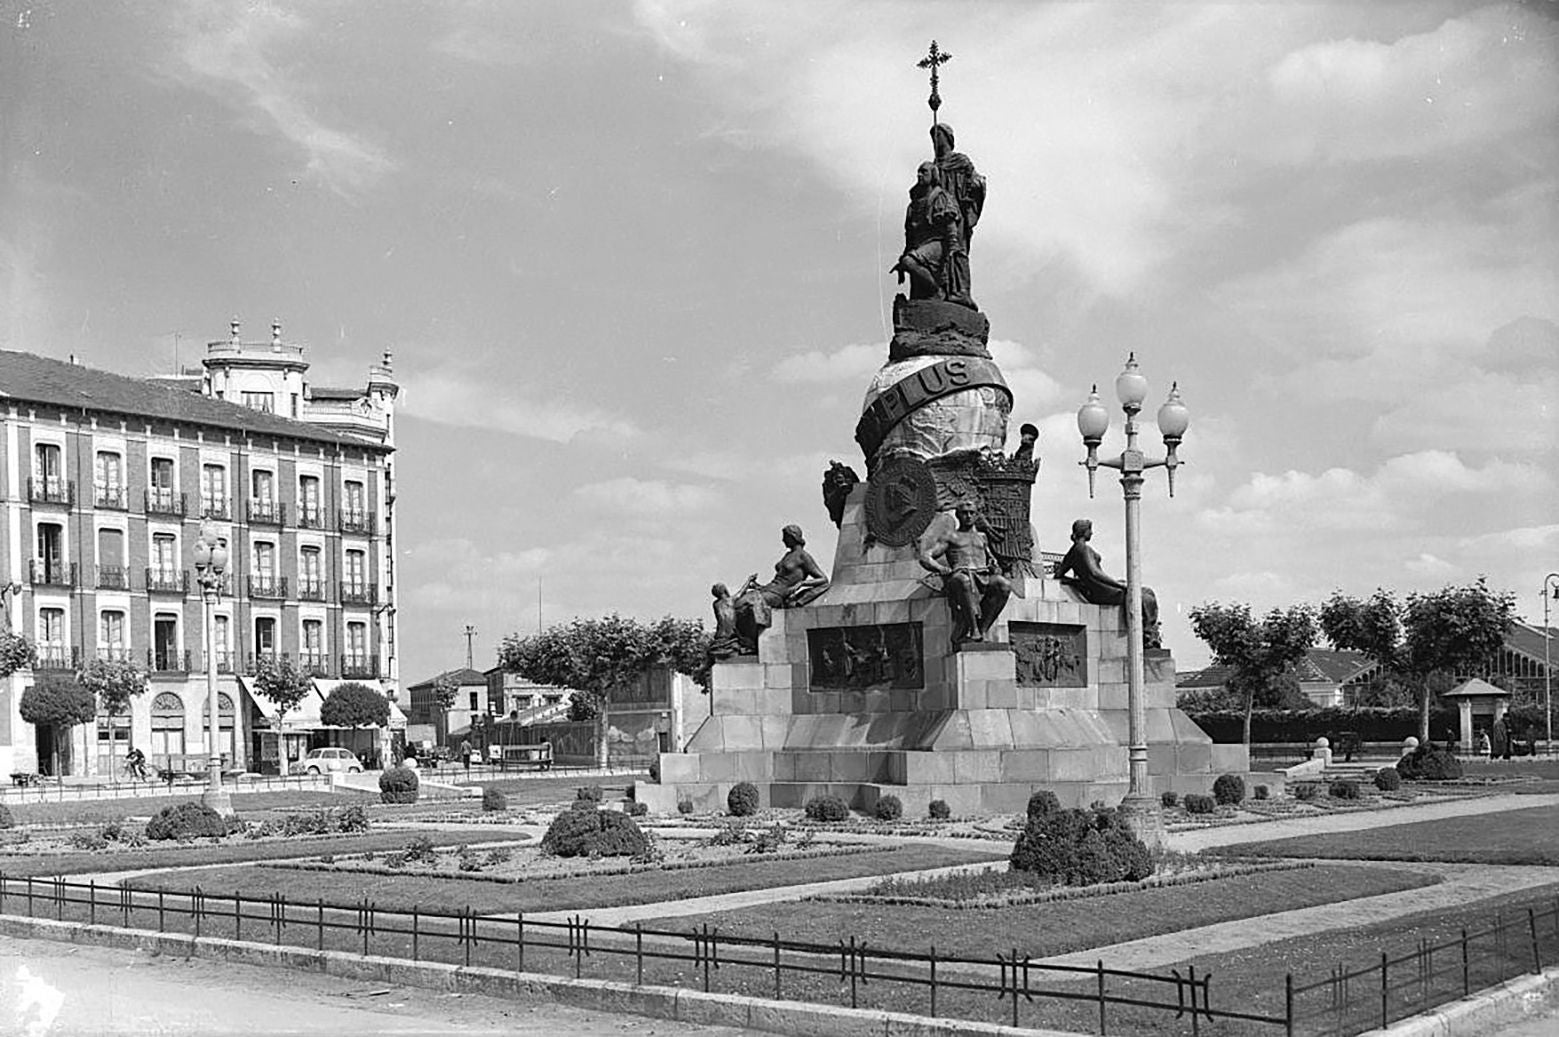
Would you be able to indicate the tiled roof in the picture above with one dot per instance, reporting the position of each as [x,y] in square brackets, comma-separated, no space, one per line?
[322,392]
[1319,664]
[462,677]
[28,378]
[1527,638]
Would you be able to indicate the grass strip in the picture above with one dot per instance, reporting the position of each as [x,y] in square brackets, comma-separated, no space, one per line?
[452,893]
[1529,836]
[102,811]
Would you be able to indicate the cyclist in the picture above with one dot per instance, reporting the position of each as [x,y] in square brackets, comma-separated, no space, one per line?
[135,764]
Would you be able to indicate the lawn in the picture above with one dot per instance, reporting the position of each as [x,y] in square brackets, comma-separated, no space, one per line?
[1058,927]
[577,893]
[1528,836]
[102,811]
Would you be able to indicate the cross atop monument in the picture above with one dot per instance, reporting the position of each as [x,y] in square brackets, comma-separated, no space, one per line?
[933,59]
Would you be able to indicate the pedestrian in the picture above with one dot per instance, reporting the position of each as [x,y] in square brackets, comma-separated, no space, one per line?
[465,753]
[1499,741]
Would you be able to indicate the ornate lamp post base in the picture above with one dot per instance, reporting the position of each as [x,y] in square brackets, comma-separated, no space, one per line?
[1142,815]
[219,800]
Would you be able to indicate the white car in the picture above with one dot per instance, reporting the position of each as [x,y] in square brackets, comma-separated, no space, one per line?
[318,761]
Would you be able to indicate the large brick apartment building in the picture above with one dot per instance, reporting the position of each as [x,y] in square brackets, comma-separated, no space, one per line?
[104,483]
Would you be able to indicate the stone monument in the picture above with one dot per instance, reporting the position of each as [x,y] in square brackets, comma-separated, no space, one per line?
[939,660]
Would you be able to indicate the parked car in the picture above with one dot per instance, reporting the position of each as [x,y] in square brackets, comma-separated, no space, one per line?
[319,761]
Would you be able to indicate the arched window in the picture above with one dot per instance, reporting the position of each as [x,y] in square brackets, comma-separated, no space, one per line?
[167,725]
[226,721]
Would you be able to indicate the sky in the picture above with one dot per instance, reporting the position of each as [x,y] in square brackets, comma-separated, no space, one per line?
[631,260]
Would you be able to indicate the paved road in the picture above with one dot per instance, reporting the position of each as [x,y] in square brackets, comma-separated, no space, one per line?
[50,989]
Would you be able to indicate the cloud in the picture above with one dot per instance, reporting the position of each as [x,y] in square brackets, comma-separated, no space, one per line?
[224,50]
[647,498]
[852,364]
[471,401]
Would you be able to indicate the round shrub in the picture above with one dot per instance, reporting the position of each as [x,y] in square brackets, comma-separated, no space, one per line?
[1388,779]
[6,820]
[685,806]
[1429,764]
[594,833]
[186,821]
[1229,790]
[1081,848]
[888,808]
[1169,797]
[1262,792]
[494,799]
[1196,803]
[352,819]
[939,810]
[637,809]
[589,794]
[827,808]
[1306,790]
[1043,802]
[399,784]
[1344,790]
[655,770]
[742,800]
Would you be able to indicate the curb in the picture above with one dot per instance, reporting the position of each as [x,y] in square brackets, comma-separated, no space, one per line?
[671,1003]
[1474,1016]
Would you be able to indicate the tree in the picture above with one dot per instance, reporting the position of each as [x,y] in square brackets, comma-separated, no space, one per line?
[60,704]
[1452,632]
[16,653]
[596,656]
[284,686]
[1260,654]
[355,705]
[445,691]
[113,682]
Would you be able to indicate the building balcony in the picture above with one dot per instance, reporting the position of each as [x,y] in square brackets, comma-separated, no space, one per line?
[167,660]
[216,508]
[113,578]
[115,497]
[58,657]
[355,521]
[114,653]
[268,512]
[225,660]
[167,581]
[253,660]
[42,573]
[310,516]
[311,588]
[267,585]
[315,664]
[359,666]
[164,502]
[51,490]
[359,593]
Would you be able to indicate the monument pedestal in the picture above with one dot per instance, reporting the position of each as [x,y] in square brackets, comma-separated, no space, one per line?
[860,694]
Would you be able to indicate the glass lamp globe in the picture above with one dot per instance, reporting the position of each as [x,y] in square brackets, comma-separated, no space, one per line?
[219,557]
[1173,417]
[202,552]
[1092,418]
[1131,387]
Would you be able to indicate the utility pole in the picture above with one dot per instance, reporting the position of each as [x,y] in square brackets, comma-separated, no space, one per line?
[470,633]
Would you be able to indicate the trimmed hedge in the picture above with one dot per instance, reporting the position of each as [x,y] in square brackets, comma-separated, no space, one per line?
[1427,763]
[1043,802]
[594,833]
[1081,848]
[1343,790]
[1169,797]
[939,810]
[827,808]
[1262,792]
[6,820]
[742,800]
[889,808]
[1197,803]
[1388,779]
[494,799]
[186,821]
[399,784]
[1229,790]
[1370,723]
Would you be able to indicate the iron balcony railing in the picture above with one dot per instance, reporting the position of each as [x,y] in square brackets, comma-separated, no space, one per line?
[116,497]
[114,653]
[42,573]
[359,666]
[315,664]
[215,508]
[267,585]
[58,657]
[359,593]
[225,660]
[167,660]
[310,516]
[167,581]
[50,489]
[113,578]
[353,520]
[311,588]
[268,511]
[161,501]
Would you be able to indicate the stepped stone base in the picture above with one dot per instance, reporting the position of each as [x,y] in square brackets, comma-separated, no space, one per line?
[860,695]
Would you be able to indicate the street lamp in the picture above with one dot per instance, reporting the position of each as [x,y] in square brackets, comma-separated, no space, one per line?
[1550,592]
[1139,808]
[210,570]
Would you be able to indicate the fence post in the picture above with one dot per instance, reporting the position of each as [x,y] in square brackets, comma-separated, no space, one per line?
[59,898]
[161,925]
[29,896]
[196,903]
[1288,1005]
[1101,996]
[1385,989]
[238,915]
[319,925]
[519,952]
[415,932]
[2,892]
[1537,957]
[1466,976]
[92,902]
[638,953]
[777,965]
